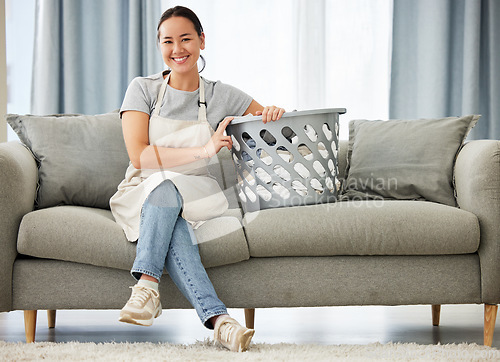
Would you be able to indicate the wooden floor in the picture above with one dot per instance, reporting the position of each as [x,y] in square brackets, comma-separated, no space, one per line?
[325,325]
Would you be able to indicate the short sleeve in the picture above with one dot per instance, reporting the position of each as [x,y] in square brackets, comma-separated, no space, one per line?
[236,101]
[136,98]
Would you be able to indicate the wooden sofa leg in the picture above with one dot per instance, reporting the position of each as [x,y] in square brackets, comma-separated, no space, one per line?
[490,316]
[436,314]
[30,325]
[51,317]
[250,317]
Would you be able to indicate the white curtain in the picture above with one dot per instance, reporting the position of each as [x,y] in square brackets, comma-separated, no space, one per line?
[87,51]
[446,61]
[301,54]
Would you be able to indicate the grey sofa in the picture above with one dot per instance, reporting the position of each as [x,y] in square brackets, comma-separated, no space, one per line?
[340,254]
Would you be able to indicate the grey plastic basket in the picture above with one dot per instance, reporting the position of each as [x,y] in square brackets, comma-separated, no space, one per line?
[290,162]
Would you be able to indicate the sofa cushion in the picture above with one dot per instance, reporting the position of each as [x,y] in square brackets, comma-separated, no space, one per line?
[383,227]
[91,236]
[405,159]
[81,158]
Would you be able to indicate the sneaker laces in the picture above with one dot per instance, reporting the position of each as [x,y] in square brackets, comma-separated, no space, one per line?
[140,294]
[226,330]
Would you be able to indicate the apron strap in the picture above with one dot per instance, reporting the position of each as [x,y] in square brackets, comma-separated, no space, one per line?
[161,93]
[202,104]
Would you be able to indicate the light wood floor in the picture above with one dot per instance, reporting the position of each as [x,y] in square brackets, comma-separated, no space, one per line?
[325,325]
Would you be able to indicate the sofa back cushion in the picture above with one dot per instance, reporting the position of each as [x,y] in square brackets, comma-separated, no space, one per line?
[81,159]
[404,159]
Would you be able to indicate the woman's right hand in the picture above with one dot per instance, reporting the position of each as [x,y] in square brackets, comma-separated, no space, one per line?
[218,139]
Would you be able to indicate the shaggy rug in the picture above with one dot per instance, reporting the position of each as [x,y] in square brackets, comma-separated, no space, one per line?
[206,351]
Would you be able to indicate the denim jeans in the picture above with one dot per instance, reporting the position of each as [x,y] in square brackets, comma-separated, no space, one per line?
[166,240]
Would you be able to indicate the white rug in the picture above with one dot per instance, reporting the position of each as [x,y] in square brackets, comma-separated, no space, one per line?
[206,351]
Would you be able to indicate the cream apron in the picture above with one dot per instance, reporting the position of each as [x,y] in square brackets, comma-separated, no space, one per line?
[202,196]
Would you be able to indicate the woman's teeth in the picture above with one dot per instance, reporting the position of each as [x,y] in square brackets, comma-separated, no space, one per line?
[180,60]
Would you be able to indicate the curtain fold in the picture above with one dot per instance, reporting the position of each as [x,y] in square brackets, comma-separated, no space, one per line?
[446,61]
[86,52]
[310,53]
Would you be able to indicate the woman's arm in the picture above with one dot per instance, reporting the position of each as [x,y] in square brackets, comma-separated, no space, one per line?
[143,155]
[269,113]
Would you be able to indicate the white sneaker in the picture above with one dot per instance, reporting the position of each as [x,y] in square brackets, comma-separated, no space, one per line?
[142,308]
[232,335]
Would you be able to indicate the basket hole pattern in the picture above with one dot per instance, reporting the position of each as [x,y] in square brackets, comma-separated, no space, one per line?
[236,144]
[242,196]
[248,177]
[264,157]
[311,176]
[301,170]
[305,152]
[247,158]
[329,183]
[334,149]
[267,137]
[316,185]
[236,161]
[285,154]
[248,140]
[331,167]
[282,173]
[281,190]
[263,175]
[299,188]
[263,193]
[322,150]
[310,132]
[318,167]
[251,196]
[290,135]
[327,131]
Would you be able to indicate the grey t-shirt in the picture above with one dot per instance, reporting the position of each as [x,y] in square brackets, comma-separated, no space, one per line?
[222,100]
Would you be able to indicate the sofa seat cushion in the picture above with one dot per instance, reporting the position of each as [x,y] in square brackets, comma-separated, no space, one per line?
[378,227]
[91,236]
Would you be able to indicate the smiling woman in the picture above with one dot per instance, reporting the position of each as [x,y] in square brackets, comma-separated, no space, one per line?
[172,128]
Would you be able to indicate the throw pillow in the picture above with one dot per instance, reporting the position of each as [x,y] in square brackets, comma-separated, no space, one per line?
[81,158]
[404,159]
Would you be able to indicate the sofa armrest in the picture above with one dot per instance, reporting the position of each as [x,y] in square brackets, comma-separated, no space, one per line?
[18,181]
[477,183]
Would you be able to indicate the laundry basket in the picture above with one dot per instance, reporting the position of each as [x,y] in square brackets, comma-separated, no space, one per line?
[290,162]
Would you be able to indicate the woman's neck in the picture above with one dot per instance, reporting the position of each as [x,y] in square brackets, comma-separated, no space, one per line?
[184,82]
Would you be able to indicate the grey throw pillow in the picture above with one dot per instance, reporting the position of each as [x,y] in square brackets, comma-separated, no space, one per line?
[81,158]
[404,159]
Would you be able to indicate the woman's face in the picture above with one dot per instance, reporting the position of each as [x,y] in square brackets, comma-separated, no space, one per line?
[180,44]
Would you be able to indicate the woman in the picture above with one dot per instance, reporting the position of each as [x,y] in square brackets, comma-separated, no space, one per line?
[168,121]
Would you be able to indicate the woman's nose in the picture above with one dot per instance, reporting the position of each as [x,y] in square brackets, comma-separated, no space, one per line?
[177,47]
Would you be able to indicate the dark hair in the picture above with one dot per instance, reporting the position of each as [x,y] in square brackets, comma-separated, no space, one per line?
[183,12]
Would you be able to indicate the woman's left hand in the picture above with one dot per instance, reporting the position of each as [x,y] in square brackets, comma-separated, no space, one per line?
[270,113]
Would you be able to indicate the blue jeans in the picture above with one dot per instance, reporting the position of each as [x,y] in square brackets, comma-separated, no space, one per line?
[166,240]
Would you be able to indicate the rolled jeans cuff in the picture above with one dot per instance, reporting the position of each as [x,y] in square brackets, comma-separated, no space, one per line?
[137,272]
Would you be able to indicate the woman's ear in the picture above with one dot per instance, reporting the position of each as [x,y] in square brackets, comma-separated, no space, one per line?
[202,37]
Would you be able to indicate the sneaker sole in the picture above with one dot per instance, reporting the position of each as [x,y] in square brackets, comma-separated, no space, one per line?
[245,340]
[127,318]
[140,322]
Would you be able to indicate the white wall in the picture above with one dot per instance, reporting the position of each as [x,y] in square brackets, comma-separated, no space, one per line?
[3,75]
[254,45]
[20,27]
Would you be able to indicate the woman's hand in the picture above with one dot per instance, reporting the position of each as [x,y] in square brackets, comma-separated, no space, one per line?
[270,113]
[218,139]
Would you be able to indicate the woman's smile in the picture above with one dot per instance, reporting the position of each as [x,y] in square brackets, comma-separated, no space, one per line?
[180,60]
